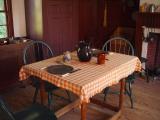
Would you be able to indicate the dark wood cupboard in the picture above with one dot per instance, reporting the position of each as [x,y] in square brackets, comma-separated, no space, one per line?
[150,20]
[10,64]
[62,23]
[121,13]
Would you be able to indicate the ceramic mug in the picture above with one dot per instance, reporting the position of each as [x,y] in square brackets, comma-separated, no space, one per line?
[101,58]
[67,56]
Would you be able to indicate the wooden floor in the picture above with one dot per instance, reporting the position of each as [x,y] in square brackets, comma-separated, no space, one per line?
[146,102]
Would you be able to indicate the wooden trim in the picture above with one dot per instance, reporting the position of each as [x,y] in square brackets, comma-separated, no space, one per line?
[8,11]
[2,11]
[121,95]
[3,25]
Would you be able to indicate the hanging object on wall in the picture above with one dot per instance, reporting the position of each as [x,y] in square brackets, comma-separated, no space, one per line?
[105,15]
[152,8]
[145,7]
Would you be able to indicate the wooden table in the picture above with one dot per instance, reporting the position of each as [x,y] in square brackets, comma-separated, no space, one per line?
[90,80]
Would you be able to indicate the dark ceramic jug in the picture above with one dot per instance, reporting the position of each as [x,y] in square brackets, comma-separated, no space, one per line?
[84,52]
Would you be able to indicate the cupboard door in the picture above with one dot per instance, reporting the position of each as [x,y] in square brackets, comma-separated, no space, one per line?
[61,24]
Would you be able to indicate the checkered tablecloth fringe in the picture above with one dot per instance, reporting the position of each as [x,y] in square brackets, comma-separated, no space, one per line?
[91,79]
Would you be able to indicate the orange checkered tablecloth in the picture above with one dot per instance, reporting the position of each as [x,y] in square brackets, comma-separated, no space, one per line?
[91,79]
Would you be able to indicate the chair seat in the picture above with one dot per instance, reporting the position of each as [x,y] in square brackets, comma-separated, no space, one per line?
[130,78]
[143,60]
[35,112]
[36,83]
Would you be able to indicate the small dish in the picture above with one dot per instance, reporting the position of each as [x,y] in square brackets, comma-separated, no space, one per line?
[96,52]
[59,69]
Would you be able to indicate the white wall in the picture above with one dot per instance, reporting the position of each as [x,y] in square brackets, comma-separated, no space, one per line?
[19,22]
[156,2]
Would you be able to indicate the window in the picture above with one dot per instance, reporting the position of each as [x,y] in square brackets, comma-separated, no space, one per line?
[6,23]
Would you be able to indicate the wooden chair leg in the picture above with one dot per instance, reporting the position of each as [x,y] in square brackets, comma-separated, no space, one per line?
[84,111]
[35,95]
[130,96]
[147,75]
[42,92]
[50,99]
[106,90]
[121,99]
[128,91]
[69,96]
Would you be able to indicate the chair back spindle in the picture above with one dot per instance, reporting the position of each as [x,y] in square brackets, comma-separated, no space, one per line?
[119,45]
[36,51]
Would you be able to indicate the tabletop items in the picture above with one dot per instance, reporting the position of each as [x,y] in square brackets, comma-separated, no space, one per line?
[84,52]
[59,69]
[101,58]
[67,56]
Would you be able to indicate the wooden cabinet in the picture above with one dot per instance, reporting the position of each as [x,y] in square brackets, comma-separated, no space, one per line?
[62,23]
[150,20]
[10,63]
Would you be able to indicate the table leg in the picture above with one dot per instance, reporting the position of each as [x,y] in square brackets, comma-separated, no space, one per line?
[42,91]
[121,99]
[83,111]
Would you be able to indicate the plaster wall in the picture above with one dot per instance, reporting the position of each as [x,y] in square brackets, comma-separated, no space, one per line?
[19,22]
